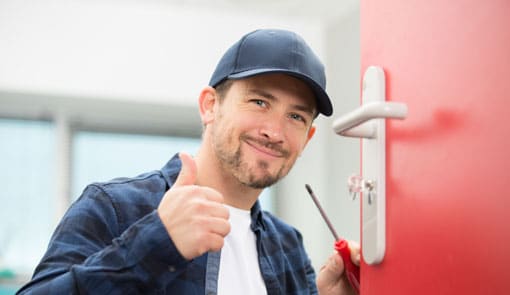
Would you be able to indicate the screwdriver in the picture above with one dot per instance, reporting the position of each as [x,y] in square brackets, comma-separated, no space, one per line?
[341,246]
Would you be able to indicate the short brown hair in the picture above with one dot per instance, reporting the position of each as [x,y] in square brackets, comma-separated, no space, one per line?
[223,88]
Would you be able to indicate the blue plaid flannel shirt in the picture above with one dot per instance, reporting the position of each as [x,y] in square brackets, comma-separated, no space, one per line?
[111,241]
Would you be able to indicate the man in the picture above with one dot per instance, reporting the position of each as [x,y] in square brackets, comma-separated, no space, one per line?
[195,227]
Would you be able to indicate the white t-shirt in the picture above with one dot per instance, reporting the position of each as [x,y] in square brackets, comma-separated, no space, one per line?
[239,265]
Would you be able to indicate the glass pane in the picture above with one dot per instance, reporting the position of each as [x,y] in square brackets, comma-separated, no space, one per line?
[27,194]
[101,156]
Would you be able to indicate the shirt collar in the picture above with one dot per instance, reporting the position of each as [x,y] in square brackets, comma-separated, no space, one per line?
[257,220]
[171,170]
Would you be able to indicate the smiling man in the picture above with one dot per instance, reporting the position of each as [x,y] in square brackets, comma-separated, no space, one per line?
[196,227]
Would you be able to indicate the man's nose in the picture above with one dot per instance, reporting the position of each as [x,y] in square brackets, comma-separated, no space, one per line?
[273,129]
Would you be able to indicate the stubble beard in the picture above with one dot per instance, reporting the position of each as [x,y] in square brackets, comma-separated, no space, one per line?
[233,161]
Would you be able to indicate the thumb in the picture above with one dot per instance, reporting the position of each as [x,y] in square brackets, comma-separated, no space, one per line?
[188,174]
[335,266]
[331,273]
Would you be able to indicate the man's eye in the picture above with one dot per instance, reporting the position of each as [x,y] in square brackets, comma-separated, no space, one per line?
[297,117]
[259,102]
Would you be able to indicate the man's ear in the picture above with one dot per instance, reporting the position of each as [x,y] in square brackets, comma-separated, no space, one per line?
[311,132]
[206,101]
[309,136]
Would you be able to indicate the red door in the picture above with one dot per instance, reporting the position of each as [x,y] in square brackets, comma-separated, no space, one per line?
[448,163]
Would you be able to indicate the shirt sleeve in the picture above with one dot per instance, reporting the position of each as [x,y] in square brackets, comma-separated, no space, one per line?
[88,254]
[309,270]
[311,278]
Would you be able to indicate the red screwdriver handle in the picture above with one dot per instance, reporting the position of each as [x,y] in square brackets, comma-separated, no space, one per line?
[351,270]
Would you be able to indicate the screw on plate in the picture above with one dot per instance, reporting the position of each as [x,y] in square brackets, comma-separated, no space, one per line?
[358,184]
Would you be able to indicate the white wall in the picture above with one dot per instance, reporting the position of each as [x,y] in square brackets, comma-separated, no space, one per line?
[151,52]
[344,57]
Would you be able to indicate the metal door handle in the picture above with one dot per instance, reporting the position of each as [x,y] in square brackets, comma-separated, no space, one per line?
[374,106]
[368,122]
[351,124]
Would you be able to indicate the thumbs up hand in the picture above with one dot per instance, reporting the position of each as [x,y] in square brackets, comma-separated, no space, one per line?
[194,216]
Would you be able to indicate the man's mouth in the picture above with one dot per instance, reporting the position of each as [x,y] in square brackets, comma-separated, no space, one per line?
[267,148]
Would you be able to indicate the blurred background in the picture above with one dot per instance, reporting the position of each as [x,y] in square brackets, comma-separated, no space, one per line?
[92,90]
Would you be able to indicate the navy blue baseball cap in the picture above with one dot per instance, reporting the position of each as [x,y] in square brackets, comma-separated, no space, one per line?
[274,51]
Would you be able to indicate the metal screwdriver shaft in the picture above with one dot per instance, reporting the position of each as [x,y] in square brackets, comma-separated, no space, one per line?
[341,246]
[316,201]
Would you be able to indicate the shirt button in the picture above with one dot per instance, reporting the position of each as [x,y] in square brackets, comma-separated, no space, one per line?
[171,268]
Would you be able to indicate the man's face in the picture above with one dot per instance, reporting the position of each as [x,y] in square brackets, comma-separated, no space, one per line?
[261,126]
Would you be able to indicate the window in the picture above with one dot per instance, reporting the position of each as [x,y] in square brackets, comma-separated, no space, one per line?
[102,156]
[27,153]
